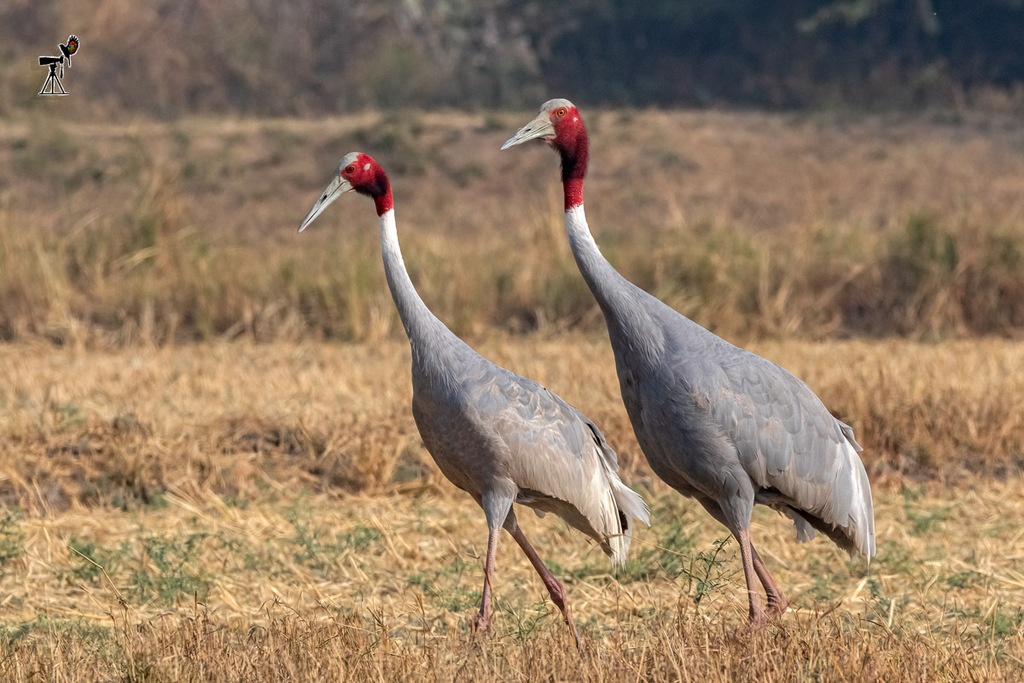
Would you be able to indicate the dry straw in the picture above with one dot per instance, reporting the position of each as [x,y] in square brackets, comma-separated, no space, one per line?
[267,511]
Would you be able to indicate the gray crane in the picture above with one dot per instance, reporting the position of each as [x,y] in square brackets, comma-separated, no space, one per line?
[715,422]
[500,437]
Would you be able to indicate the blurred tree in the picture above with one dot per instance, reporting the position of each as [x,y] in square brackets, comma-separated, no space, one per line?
[167,57]
[896,52]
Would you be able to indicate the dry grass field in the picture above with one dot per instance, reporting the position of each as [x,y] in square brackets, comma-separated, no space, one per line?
[267,512]
[209,469]
[754,225]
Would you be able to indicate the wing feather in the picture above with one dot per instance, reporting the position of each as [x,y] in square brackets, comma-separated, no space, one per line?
[789,443]
[558,458]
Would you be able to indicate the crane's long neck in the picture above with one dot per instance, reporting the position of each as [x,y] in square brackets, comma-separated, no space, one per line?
[625,306]
[421,326]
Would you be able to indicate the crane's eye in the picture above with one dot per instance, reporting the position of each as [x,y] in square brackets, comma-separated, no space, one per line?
[560,112]
[350,169]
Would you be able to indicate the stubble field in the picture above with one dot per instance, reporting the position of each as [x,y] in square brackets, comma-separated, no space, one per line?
[267,511]
[210,471]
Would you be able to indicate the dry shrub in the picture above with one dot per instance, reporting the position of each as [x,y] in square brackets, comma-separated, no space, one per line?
[754,225]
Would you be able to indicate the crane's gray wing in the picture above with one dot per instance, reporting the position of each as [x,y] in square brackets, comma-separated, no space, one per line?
[776,422]
[790,444]
[558,459]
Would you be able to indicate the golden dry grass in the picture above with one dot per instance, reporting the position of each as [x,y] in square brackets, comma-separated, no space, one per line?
[267,512]
[755,225]
[337,416]
[381,588]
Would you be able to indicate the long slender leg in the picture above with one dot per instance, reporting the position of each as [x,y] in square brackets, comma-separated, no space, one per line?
[752,563]
[777,602]
[497,506]
[756,613]
[555,589]
[483,618]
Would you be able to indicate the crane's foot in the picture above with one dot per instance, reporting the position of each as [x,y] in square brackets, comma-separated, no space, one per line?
[572,628]
[757,616]
[481,622]
[561,600]
[776,607]
[765,617]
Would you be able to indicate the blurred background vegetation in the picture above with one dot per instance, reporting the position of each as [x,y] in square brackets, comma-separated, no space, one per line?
[262,57]
[817,169]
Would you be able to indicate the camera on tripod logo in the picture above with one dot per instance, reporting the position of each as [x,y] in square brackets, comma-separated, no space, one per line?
[53,80]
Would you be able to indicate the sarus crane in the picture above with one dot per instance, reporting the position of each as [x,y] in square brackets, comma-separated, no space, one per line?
[715,422]
[500,437]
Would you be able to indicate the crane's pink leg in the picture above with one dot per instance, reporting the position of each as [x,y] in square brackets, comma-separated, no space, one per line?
[555,589]
[756,614]
[483,618]
[777,602]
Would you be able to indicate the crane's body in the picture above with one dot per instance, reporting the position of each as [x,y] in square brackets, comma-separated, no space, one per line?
[498,436]
[715,422]
[505,439]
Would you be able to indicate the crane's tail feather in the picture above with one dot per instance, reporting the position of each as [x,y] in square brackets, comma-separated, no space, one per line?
[629,506]
[847,515]
[860,526]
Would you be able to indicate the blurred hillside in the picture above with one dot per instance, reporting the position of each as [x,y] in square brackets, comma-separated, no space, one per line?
[262,57]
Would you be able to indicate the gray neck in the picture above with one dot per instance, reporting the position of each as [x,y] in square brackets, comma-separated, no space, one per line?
[428,336]
[627,308]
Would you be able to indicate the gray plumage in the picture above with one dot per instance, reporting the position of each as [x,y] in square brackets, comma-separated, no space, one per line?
[498,436]
[715,422]
[505,439]
[728,427]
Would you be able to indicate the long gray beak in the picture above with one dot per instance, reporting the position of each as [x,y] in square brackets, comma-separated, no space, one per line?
[540,127]
[335,189]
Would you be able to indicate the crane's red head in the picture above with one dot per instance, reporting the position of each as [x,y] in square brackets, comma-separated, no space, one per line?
[560,124]
[359,172]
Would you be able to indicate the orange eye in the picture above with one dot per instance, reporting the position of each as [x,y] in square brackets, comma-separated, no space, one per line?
[560,113]
[350,169]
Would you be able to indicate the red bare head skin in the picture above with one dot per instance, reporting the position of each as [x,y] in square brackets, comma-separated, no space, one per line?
[560,124]
[573,147]
[367,177]
[359,172]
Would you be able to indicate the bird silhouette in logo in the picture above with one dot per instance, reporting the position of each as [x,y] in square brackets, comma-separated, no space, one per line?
[53,80]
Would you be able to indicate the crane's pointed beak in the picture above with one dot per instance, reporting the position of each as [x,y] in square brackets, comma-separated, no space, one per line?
[540,127]
[335,189]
